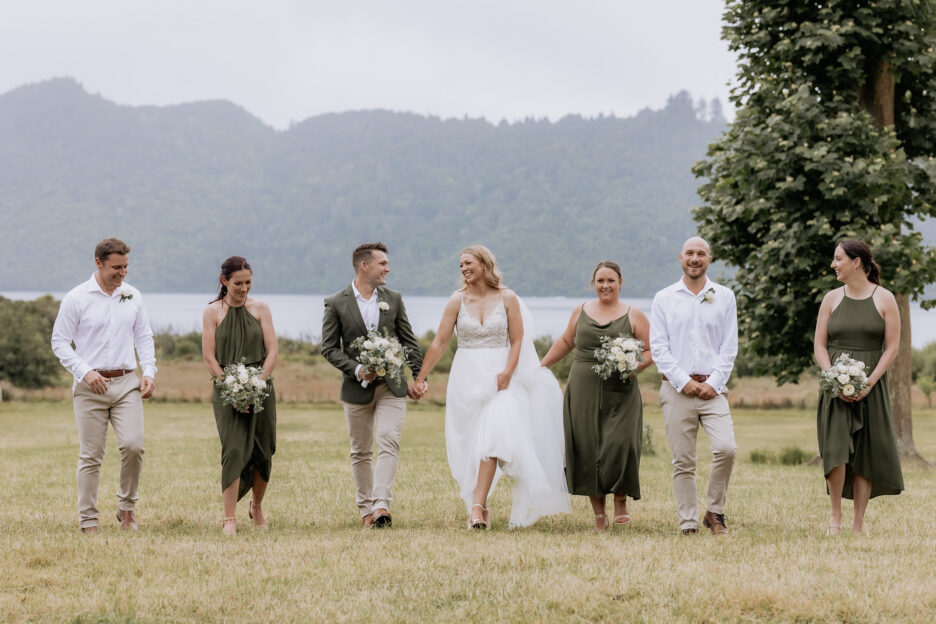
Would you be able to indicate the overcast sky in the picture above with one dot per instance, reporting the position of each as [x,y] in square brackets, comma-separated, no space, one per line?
[286,60]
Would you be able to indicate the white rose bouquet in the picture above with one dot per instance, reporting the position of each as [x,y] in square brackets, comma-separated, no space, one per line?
[242,387]
[846,377]
[381,353]
[618,355]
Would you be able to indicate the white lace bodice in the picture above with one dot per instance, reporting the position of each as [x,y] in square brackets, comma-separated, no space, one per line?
[473,335]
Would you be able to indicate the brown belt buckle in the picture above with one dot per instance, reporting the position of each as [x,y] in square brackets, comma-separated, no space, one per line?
[110,374]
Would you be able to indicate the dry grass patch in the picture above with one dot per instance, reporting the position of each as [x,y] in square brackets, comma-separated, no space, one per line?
[315,564]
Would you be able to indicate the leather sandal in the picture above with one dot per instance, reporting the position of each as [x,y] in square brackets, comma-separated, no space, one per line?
[479,523]
[250,514]
[229,526]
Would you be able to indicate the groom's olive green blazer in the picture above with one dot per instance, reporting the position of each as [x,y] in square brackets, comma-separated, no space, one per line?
[343,323]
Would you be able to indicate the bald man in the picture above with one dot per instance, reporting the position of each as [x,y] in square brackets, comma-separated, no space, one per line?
[694,341]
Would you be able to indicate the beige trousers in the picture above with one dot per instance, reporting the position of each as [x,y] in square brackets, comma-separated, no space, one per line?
[122,407]
[682,416]
[374,483]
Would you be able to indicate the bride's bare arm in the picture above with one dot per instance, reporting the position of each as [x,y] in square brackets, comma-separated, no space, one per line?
[515,334]
[443,336]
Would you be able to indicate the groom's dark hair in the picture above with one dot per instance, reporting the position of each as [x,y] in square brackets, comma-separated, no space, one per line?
[363,253]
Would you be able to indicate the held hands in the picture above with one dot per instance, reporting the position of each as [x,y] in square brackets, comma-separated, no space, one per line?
[856,397]
[418,389]
[699,389]
[365,374]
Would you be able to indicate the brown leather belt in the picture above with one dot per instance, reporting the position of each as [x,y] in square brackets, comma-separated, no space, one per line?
[698,378]
[109,374]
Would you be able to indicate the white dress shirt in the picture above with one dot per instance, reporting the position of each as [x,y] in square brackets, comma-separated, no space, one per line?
[368,307]
[694,334]
[105,330]
[370,312]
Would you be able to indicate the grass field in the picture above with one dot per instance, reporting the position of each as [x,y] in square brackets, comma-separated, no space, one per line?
[315,564]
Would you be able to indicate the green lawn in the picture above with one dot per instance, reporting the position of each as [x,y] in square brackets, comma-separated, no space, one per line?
[315,564]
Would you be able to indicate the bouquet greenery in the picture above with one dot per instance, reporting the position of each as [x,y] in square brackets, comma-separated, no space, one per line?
[846,377]
[381,353]
[242,387]
[618,355]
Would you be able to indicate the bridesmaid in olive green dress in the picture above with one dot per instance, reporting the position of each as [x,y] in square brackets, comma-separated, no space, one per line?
[856,434]
[238,328]
[603,418]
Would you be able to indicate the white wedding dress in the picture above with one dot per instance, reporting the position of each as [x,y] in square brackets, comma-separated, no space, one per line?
[520,426]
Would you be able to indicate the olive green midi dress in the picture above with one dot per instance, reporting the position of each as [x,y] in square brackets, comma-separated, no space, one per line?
[248,440]
[603,419]
[859,435]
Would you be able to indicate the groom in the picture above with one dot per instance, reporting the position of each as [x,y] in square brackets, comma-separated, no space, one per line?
[368,305]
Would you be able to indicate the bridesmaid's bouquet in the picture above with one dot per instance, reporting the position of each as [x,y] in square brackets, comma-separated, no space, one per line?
[381,353]
[242,387]
[846,377]
[618,355]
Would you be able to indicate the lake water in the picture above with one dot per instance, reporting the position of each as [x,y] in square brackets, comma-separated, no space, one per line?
[300,316]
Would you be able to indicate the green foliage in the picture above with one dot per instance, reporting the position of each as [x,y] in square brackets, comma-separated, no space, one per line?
[646,444]
[788,456]
[187,186]
[178,347]
[803,165]
[927,384]
[26,358]
[445,362]
[924,361]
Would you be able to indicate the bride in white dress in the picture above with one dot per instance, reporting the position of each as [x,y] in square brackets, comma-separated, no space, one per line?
[503,412]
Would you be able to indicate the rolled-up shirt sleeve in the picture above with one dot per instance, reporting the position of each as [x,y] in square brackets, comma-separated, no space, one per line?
[143,341]
[63,334]
[663,357]
[727,348]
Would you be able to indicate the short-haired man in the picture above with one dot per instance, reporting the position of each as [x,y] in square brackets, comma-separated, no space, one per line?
[105,319]
[368,305]
[694,341]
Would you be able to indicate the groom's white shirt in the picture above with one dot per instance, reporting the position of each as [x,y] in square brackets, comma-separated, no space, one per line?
[689,335]
[370,312]
[105,331]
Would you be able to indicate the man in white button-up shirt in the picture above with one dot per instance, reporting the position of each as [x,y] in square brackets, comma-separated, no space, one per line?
[694,341]
[105,319]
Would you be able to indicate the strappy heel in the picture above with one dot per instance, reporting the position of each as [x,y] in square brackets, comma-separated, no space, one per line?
[479,523]
[624,518]
[604,519]
[250,514]
[229,526]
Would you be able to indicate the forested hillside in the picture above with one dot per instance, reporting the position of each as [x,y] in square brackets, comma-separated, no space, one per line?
[188,185]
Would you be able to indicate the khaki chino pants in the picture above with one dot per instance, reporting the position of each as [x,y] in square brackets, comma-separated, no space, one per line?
[374,483]
[682,416]
[122,407]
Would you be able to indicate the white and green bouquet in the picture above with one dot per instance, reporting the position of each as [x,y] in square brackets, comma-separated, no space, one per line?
[242,387]
[846,377]
[618,355]
[382,354]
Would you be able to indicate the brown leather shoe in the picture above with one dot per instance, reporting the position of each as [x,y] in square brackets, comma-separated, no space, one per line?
[367,521]
[716,523]
[690,531]
[127,520]
[382,519]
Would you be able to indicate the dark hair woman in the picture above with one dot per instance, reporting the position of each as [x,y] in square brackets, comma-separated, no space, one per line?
[238,328]
[856,432]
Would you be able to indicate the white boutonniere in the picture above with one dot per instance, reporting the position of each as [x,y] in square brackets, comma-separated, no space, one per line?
[384,306]
[708,296]
[125,294]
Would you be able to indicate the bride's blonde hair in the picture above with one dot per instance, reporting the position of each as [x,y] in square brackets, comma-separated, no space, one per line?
[492,275]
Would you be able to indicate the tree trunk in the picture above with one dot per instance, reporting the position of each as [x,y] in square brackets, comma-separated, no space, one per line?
[877,96]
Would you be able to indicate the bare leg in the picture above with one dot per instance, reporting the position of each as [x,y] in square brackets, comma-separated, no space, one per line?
[835,481]
[259,489]
[861,492]
[620,510]
[486,470]
[598,507]
[230,504]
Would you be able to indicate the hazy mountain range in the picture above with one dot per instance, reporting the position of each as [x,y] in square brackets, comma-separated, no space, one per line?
[188,185]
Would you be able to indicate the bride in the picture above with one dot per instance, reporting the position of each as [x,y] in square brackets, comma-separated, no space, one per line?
[503,412]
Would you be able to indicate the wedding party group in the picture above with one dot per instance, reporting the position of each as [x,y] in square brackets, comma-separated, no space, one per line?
[505,412]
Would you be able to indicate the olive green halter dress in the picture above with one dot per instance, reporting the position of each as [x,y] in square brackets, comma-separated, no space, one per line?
[248,440]
[603,418]
[859,435]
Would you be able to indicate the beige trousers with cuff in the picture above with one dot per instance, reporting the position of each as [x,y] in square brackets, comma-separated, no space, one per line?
[122,407]
[374,483]
[682,416]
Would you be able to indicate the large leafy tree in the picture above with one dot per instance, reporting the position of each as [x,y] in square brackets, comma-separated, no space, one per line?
[834,137]
[26,358]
